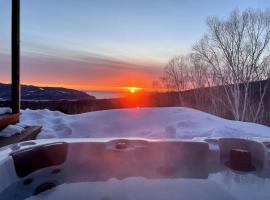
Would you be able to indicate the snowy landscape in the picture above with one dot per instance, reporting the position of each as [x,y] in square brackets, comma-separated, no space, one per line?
[173,122]
[134,100]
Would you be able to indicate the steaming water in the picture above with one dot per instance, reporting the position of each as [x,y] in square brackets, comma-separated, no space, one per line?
[213,188]
[82,184]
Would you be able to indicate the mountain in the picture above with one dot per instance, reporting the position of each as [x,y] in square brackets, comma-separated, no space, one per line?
[30,92]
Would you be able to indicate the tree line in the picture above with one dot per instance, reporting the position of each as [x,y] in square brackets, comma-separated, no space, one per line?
[233,54]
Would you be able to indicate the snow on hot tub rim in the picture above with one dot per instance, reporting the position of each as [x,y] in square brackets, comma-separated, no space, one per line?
[6,150]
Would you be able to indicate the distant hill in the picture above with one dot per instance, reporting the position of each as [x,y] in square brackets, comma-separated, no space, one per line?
[30,92]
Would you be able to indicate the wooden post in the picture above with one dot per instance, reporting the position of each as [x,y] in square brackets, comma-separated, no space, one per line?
[15,56]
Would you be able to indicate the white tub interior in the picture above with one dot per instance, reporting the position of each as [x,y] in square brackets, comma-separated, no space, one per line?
[138,169]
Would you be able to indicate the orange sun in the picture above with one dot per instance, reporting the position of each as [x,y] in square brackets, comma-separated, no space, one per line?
[133,89]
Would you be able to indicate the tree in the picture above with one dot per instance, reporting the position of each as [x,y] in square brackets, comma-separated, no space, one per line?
[176,76]
[237,50]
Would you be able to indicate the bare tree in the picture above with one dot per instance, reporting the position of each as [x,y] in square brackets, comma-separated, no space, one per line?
[176,76]
[237,49]
[158,86]
[198,72]
[203,81]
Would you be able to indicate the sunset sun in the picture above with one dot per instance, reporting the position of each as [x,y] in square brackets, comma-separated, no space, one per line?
[133,89]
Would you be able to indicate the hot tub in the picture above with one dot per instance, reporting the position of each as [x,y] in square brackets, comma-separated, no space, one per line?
[129,169]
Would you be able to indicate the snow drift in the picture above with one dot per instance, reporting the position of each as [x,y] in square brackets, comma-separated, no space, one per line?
[176,122]
[5,110]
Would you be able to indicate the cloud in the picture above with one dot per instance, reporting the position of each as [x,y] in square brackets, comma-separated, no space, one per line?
[81,68]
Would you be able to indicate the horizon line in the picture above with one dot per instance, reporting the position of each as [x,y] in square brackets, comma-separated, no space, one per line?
[85,88]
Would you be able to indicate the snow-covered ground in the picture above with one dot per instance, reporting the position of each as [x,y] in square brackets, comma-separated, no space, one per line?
[5,110]
[177,122]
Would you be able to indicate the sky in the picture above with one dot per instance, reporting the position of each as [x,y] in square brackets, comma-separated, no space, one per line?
[106,44]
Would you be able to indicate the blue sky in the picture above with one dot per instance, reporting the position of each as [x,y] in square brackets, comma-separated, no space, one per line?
[98,42]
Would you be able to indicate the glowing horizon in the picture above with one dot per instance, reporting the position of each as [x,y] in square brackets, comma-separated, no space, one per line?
[94,88]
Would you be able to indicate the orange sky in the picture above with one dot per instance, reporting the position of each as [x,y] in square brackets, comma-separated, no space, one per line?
[88,74]
[110,83]
[125,79]
[121,81]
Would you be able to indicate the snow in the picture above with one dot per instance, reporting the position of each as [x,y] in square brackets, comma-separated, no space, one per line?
[173,122]
[5,110]
[12,130]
